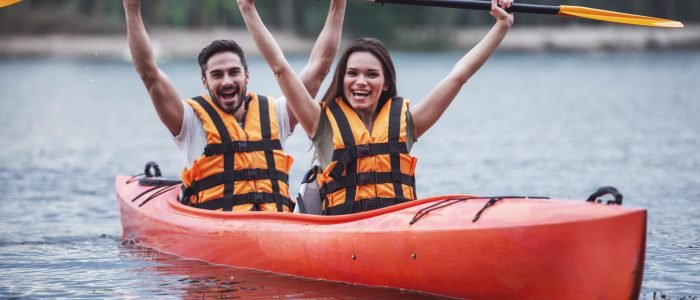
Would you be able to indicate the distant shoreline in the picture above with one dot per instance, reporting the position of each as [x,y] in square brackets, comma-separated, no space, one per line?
[176,44]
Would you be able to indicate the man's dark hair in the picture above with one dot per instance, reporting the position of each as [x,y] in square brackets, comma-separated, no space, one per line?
[219,46]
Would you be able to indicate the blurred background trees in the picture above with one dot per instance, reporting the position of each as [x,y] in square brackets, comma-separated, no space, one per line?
[302,17]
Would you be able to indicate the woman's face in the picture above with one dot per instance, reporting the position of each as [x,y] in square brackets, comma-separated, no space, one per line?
[363,81]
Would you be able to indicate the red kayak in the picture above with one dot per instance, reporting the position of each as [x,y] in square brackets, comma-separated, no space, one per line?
[455,245]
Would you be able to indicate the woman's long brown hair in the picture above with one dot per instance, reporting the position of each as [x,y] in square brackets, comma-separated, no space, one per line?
[377,49]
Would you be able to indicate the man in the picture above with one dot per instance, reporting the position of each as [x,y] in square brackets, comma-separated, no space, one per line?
[231,139]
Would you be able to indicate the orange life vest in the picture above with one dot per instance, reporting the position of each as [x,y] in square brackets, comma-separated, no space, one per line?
[368,171]
[241,169]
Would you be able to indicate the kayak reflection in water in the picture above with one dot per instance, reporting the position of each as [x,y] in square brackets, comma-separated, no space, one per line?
[228,134]
[362,131]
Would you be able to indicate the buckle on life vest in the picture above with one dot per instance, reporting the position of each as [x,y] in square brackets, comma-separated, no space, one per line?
[257,197]
[366,178]
[362,150]
[242,145]
[252,174]
[370,204]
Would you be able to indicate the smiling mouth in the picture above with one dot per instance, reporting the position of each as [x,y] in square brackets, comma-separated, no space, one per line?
[360,94]
[228,95]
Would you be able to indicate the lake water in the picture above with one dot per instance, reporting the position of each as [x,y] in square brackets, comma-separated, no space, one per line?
[554,124]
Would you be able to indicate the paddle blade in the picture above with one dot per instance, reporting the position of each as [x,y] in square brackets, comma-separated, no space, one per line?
[4,3]
[616,17]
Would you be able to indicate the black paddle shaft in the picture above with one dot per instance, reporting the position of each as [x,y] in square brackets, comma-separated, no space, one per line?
[479,5]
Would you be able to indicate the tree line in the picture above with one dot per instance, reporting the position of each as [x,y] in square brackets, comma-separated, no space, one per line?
[303,17]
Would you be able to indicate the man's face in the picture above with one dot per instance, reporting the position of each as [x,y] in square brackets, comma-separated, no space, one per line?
[226,80]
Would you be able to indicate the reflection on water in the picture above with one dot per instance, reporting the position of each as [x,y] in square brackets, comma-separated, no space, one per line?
[195,279]
[558,125]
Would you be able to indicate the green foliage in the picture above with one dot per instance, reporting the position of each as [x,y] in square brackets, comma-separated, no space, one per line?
[388,22]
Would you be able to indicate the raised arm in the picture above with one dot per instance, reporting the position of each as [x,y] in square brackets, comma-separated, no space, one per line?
[428,111]
[303,106]
[323,52]
[161,90]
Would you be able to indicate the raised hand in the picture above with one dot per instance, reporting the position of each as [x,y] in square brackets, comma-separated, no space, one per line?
[245,3]
[498,11]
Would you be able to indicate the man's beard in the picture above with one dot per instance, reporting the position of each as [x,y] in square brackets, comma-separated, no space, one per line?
[242,97]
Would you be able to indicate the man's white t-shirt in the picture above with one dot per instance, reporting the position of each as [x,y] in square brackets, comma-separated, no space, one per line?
[192,138]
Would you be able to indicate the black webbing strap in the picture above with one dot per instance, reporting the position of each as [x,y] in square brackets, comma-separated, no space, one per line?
[229,201]
[345,155]
[356,151]
[242,146]
[355,179]
[233,176]
[266,133]
[223,134]
[348,140]
[364,205]
[394,133]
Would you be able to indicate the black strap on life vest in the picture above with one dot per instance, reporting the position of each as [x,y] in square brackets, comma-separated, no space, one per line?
[348,140]
[223,134]
[266,133]
[356,179]
[350,153]
[394,156]
[365,205]
[229,176]
[242,146]
[227,202]
[232,176]
[346,159]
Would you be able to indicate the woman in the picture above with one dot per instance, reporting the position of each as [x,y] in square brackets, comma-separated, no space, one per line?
[362,132]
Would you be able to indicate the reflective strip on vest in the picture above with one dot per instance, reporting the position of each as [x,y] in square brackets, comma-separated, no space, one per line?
[368,171]
[242,168]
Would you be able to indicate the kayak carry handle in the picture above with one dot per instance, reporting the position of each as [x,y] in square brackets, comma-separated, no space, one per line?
[146,172]
[156,178]
[156,169]
[606,190]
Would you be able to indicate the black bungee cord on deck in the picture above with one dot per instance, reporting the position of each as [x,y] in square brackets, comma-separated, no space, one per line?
[488,204]
[159,185]
[159,188]
[159,191]
[595,198]
[436,206]
[444,203]
[134,178]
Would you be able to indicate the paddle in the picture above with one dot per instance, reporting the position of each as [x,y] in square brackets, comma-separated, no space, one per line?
[561,10]
[4,3]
